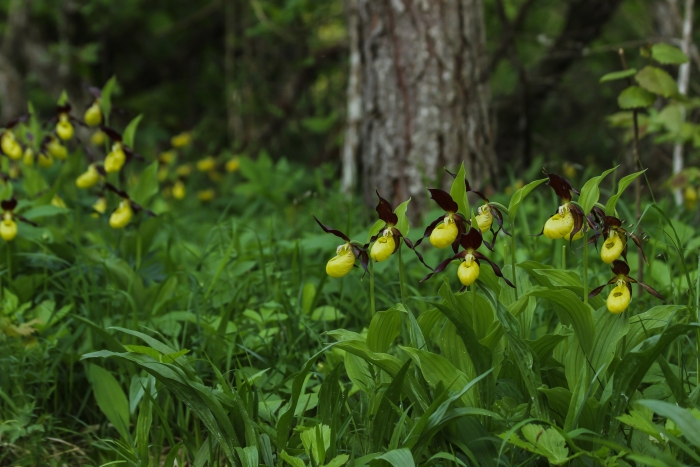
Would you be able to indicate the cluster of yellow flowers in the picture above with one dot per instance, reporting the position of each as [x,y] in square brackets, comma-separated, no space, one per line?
[452,229]
[570,220]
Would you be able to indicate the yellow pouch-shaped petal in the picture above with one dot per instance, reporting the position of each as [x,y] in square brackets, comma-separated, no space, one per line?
[619,299]
[468,272]
[444,234]
[341,264]
[383,248]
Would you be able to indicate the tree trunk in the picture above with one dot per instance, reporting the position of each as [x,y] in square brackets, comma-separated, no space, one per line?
[423,105]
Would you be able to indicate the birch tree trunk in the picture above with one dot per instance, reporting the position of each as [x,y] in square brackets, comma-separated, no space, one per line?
[423,107]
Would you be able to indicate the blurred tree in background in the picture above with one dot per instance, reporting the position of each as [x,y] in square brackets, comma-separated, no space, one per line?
[273,74]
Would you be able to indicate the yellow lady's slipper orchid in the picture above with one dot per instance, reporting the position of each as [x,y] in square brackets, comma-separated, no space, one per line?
[167,157]
[162,173]
[45,160]
[14,172]
[179,190]
[619,298]
[206,164]
[612,247]
[181,140]
[115,159]
[468,270]
[383,247]
[8,227]
[184,170]
[89,178]
[569,170]
[10,146]
[64,128]
[93,115]
[559,224]
[445,233]
[341,264]
[58,202]
[28,157]
[121,216]
[484,219]
[100,205]
[233,164]
[690,198]
[205,195]
[98,138]
[57,150]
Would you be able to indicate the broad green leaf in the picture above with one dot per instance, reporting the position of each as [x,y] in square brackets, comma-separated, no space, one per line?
[667,54]
[385,418]
[400,212]
[571,311]
[397,458]
[438,371]
[635,97]
[383,329]
[106,97]
[631,370]
[684,420]
[338,461]
[640,421]
[480,355]
[657,81]
[615,75]
[621,186]
[316,440]
[524,357]
[645,324]
[293,461]
[147,186]
[548,441]
[458,191]
[248,456]
[519,195]
[47,210]
[130,131]
[110,399]
[591,192]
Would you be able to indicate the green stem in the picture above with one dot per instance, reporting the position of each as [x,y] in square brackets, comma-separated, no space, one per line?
[563,257]
[697,320]
[512,258]
[401,278]
[371,287]
[9,264]
[585,267]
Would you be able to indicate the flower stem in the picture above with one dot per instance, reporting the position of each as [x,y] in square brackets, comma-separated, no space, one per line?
[371,287]
[401,277]
[512,258]
[563,257]
[585,267]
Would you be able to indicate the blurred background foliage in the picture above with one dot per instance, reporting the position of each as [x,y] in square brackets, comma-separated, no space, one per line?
[271,74]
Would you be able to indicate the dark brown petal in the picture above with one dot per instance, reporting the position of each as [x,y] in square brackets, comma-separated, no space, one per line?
[116,190]
[96,92]
[8,204]
[620,268]
[63,109]
[410,245]
[651,290]
[611,221]
[112,133]
[496,213]
[577,214]
[441,267]
[638,242]
[385,211]
[597,290]
[495,267]
[477,193]
[471,240]
[443,199]
[429,229]
[397,239]
[333,231]
[561,186]
[25,220]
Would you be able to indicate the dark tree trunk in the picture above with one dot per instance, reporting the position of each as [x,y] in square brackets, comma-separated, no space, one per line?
[423,105]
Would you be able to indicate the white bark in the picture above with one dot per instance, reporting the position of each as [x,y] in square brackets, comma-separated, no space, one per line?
[683,79]
[351,146]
